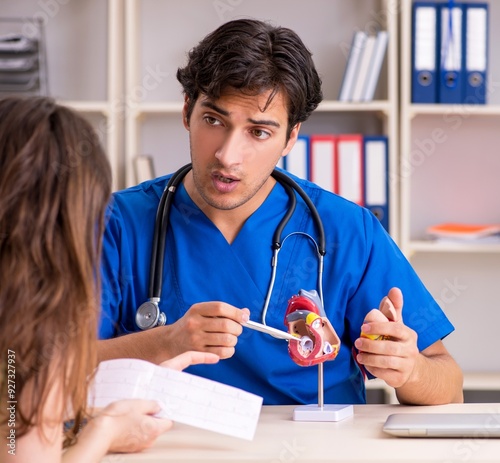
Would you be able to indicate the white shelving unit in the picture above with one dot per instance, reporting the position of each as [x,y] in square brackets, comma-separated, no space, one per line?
[158,35]
[449,173]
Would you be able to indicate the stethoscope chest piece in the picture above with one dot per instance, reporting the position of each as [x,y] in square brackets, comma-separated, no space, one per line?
[148,315]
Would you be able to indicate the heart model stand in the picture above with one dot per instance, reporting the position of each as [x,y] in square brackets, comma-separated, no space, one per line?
[305,314]
[322,412]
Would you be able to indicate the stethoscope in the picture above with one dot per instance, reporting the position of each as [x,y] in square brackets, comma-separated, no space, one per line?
[149,315]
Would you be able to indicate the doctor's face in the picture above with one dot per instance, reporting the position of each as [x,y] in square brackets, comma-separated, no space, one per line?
[235,146]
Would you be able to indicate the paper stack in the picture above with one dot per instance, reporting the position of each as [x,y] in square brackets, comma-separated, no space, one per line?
[483,233]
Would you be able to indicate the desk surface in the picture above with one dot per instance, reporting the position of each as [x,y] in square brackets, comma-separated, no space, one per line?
[356,439]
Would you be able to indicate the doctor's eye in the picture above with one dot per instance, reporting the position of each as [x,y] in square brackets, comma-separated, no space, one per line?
[212,120]
[261,134]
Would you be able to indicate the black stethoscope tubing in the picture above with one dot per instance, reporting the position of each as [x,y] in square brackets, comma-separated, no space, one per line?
[160,231]
[162,222]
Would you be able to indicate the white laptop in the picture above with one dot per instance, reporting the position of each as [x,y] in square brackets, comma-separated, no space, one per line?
[478,425]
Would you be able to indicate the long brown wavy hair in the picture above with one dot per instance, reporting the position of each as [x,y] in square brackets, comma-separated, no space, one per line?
[55,182]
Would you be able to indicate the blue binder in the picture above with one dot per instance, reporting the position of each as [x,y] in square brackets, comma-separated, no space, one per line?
[424,49]
[297,160]
[376,175]
[450,32]
[476,52]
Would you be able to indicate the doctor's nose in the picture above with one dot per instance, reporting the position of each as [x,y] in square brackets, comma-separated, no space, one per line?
[232,149]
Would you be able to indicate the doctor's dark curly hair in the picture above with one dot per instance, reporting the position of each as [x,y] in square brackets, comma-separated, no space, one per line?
[253,56]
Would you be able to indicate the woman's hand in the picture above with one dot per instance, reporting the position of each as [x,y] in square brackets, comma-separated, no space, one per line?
[190,358]
[130,424]
[123,426]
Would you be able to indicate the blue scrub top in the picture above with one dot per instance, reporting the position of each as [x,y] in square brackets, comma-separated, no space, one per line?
[361,265]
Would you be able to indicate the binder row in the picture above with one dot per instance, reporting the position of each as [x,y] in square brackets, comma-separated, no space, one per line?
[449,52]
[363,67]
[353,166]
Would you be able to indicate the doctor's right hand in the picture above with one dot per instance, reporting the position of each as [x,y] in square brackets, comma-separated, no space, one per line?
[207,327]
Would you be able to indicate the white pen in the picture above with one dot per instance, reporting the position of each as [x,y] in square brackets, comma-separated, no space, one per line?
[271,331]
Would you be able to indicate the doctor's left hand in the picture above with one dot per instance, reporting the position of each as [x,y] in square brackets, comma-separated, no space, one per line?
[206,327]
[392,358]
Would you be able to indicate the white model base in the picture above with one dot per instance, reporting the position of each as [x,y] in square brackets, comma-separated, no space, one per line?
[325,413]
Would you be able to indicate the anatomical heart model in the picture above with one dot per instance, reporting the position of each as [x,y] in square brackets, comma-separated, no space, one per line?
[316,341]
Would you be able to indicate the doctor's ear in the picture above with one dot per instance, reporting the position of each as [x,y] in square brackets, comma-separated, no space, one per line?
[185,117]
[294,133]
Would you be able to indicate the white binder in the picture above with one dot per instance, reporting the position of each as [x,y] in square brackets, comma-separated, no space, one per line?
[352,65]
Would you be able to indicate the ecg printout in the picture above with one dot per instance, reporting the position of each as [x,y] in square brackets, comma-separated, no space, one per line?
[183,397]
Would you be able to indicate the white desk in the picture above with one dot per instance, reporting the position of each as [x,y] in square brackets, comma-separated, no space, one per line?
[356,439]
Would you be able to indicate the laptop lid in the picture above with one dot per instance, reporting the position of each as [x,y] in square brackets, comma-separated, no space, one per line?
[479,425]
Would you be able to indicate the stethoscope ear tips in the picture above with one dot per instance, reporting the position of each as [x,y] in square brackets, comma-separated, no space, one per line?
[148,315]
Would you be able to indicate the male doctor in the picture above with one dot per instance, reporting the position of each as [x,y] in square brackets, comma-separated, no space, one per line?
[248,86]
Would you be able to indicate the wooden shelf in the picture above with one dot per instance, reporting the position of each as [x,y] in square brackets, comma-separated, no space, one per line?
[171,107]
[473,381]
[90,107]
[439,246]
[482,381]
[464,109]
[340,106]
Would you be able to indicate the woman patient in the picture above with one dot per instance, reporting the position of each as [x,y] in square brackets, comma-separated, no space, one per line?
[55,182]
